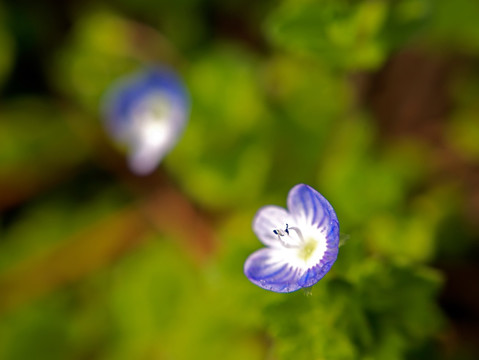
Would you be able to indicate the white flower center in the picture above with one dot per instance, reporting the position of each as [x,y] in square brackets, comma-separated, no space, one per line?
[151,126]
[292,238]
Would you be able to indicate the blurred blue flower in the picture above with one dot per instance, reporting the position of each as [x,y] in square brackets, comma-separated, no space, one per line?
[302,242]
[146,113]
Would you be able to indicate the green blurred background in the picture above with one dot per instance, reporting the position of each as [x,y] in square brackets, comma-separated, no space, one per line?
[374,103]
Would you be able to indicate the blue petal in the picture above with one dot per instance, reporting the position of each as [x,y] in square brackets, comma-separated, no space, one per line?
[332,237]
[268,269]
[316,273]
[126,93]
[308,206]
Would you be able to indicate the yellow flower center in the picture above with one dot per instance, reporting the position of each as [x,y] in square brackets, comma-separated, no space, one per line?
[308,249]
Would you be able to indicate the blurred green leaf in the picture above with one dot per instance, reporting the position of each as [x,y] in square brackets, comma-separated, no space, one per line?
[462,129]
[98,53]
[229,168]
[347,34]
[454,23]
[360,180]
[33,135]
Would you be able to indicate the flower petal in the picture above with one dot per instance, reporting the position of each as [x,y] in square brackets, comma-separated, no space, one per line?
[268,268]
[267,219]
[272,269]
[310,208]
[146,114]
[124,96]
[145,158]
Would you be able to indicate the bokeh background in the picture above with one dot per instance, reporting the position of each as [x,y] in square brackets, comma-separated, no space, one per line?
[374,103]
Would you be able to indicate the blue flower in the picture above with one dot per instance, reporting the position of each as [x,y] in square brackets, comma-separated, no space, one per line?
[146,113]
[302,242]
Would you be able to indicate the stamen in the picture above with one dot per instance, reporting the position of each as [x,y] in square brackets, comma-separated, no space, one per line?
[281,233]
[278,232]
[298,232]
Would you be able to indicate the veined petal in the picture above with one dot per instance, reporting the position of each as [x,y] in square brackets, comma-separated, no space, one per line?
[269,268]
[267,219]
[279,270]
[310,208]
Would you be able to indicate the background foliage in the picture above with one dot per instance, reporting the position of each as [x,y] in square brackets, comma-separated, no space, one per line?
[372,102]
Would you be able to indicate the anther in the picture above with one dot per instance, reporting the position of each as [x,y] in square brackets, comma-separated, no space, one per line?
[281,233]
